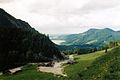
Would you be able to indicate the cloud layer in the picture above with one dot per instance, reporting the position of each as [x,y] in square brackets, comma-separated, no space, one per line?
[65,16]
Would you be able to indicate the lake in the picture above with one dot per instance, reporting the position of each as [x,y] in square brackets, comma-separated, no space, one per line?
[58,41]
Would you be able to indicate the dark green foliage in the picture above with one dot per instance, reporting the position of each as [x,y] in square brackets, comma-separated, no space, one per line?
[77,51]
[106,67]
[74,51]
[80,51]
[114,43]
[20,44]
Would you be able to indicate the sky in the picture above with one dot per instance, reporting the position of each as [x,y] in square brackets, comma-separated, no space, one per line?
[65,16]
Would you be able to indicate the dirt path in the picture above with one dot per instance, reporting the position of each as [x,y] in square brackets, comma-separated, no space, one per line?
[15,70]
[57,69]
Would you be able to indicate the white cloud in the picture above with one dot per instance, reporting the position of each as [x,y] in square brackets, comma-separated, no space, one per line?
[6,1]
[65,16]
[99,5]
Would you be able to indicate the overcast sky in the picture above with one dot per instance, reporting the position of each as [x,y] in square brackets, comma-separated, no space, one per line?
[65,16]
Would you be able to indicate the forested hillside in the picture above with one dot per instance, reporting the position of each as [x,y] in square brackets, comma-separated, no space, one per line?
[20,43]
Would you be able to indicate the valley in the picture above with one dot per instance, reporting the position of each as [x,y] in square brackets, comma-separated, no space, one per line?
[83,63]
[27,54]
[58,42]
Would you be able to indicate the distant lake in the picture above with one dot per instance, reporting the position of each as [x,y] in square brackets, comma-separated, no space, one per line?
[58,41]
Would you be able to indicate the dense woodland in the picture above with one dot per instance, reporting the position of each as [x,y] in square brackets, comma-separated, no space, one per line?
[20,44]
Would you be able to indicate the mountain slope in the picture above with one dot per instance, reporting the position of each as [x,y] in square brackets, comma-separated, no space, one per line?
[106,67]
[97,37]
[20,43]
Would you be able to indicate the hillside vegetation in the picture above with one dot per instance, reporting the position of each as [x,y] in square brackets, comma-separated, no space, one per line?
[93,37]
[21,44]
[94,66]
[106,67]
[30,71]
[82,62]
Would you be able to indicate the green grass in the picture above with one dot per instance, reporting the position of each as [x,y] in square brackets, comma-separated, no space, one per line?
[29,72]
[83,61]
[106,67]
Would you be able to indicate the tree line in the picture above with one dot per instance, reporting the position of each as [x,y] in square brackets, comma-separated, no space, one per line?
[19,46]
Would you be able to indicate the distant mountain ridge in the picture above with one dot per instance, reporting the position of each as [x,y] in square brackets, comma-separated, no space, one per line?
[97,37]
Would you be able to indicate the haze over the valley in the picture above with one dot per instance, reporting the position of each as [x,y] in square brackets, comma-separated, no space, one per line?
[65,16]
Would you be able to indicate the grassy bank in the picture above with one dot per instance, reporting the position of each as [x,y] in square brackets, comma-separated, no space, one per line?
[29,72]
[82,62]
[106,67]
